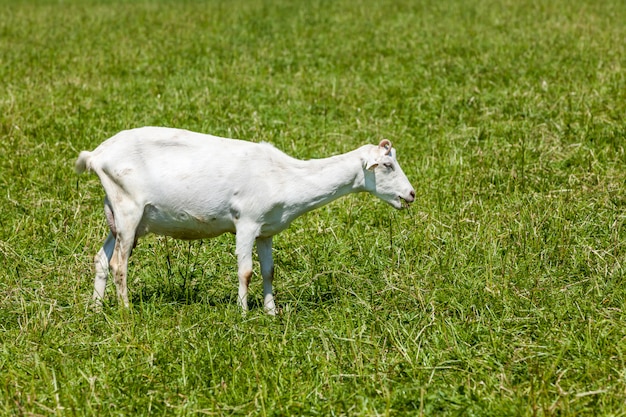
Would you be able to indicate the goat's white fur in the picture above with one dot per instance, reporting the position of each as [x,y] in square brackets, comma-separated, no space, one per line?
[192,186]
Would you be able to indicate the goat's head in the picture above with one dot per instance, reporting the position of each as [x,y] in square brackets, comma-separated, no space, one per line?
[384,177]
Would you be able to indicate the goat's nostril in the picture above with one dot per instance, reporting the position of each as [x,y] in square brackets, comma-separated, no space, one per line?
[412,195]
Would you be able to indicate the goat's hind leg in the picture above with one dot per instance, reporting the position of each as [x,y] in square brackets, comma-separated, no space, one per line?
[123,219]
[102,261]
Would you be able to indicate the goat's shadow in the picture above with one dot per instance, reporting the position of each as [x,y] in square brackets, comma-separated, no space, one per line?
[320,292]
[185,295]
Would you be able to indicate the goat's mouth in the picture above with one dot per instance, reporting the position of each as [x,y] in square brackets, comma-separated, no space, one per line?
[406,200]
[400,203]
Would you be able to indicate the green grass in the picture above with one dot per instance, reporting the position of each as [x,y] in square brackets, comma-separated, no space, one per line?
[500,292]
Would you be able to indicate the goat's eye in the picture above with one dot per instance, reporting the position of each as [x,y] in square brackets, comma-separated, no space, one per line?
[388,165]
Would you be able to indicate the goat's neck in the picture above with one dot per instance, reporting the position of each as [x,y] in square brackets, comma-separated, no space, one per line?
[320,181]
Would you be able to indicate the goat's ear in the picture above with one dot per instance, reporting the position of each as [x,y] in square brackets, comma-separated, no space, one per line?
[371,164]
[383,149]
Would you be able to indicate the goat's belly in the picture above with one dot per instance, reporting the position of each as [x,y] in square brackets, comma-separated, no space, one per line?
[182,224]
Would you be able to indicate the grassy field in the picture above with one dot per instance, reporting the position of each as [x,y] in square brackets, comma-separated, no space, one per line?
[500,292]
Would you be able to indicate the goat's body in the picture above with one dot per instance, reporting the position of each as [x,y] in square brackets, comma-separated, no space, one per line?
[191,186]
[179,194]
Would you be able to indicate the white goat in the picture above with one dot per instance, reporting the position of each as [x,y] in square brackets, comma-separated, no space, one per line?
[191,186]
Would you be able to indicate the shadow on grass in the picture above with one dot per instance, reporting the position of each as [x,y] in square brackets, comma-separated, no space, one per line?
[168,294]
[311,297]
[322,290]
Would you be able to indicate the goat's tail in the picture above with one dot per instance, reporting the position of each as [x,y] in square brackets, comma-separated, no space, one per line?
[82,163]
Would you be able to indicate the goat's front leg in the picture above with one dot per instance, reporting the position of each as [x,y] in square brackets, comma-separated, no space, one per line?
[245,237]
[264,249]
